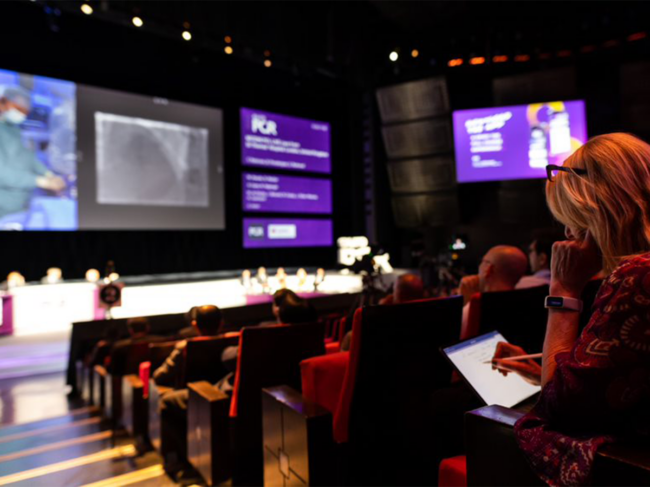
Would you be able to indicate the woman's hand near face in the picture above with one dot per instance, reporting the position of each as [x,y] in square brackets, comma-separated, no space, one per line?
[573,264]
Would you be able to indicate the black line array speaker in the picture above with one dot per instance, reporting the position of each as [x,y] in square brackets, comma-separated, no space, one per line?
[415,139]
[418,138]
[413,101]
[436,173]
[435,209]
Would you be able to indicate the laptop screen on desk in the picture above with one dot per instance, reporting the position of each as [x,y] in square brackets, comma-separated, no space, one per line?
[469,359]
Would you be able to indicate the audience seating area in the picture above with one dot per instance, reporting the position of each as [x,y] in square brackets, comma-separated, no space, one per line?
[387,412]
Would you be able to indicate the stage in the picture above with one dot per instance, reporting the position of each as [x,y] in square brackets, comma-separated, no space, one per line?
[52,308]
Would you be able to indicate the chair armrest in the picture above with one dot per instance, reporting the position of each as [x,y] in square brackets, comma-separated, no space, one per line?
[298,444]
[322,378]
[493,456]
[208,432]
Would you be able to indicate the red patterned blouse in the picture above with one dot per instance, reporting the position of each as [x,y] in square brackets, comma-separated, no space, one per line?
[600,391]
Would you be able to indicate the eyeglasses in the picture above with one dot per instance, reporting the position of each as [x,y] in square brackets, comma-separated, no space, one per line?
[552,170]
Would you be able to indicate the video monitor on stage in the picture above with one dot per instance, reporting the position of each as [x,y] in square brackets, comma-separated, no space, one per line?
[516,142]
[286,232]
[274,141]
[74,157]
[286,194]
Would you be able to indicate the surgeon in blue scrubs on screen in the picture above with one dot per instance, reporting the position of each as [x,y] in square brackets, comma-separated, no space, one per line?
[20,170]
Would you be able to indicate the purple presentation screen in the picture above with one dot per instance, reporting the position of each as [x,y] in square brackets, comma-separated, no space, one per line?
[281,142]
[286,194]
[286,232]
[516,142]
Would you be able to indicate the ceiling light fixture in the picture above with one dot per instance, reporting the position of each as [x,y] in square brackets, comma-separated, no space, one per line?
[87,9]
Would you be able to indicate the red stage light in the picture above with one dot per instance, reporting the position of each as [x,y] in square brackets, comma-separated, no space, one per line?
[500,59]
[477,60]
[637,36]
[522,58]
[455,62]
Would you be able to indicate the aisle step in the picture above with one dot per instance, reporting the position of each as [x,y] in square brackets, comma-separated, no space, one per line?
[155,472]
[72,416]
[33,439]
[55,453]
[74,471]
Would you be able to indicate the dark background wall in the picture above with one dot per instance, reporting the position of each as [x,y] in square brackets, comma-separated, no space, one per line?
[87,50]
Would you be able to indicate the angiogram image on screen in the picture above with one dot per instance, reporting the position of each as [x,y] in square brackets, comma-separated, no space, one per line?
[38,158]
[149,162]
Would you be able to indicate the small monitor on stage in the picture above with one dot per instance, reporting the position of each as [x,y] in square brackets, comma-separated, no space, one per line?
[471,358]
[516,142]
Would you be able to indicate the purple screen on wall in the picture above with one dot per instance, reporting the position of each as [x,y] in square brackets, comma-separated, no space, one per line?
[285,194]
[286,232]
[281,142]
[516,142]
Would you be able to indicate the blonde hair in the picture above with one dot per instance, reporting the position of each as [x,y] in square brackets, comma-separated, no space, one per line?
[612,201]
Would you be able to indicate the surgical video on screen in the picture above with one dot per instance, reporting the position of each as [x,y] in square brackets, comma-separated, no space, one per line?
[38,161]
[74,157]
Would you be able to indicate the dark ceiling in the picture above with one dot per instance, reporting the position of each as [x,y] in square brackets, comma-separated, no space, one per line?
[352,40]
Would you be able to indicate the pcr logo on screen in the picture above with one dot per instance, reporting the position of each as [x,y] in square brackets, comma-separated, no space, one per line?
[256,232]
[260,124]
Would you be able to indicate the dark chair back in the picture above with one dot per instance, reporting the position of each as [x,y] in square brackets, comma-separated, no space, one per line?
[268,356]
[158,353]
[519,315]
[126,358]
[203,358]
[395,365]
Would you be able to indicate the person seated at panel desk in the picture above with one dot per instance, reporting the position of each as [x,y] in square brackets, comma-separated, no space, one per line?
[173,404]
[20,170]
[501,268]
[408,287]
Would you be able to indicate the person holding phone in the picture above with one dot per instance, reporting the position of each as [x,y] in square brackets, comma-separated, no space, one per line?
[596,386]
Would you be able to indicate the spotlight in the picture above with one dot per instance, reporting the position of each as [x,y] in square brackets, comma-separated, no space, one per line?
[393,56]
[477,60]
[228,39]
[415,53]
[87,9]
[267,53]
[522,58]
[187,35]
[268,63]
[455,62]
[228,50]
[137,21]
[500,59]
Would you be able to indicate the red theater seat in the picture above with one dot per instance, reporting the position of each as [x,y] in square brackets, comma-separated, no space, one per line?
[453,472]
[322,379]
[381,417]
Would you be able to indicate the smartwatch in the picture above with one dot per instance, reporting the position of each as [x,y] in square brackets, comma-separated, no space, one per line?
[560,302]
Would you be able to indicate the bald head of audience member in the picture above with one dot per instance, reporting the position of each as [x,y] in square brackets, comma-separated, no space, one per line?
[408,287]
[501,268]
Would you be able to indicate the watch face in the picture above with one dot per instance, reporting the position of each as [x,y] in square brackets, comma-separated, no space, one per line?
[554,301]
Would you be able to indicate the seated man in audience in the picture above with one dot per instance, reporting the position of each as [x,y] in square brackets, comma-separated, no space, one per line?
[138,333]
[207,321]
[173,404]
[288,309]
[408,287]
[500,270]
[189,331]
[539,258]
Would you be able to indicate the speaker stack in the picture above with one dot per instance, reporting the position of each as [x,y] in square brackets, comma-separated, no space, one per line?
[417,134]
